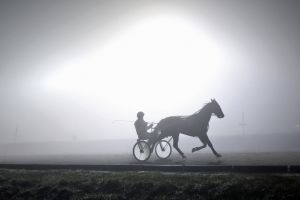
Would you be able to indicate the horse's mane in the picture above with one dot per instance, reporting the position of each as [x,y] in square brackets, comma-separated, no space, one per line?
[200,111]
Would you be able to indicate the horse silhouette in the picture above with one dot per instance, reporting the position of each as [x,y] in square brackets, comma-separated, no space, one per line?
[195,125]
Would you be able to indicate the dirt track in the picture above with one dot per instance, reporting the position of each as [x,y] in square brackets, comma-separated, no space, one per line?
[201,158]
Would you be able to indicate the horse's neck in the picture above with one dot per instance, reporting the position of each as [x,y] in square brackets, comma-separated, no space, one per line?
[204,116]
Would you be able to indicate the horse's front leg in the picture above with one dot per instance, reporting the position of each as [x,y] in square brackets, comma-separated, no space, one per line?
[201,147]
[211,147]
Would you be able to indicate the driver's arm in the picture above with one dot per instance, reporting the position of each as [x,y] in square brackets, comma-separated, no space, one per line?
[149,126]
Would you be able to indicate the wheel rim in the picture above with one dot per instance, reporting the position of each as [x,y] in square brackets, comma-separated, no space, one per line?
[163,149]
[141,151]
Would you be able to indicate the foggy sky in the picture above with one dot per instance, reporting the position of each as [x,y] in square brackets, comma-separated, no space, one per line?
[37,35]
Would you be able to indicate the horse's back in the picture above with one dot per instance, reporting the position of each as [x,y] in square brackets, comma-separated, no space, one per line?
[177,124]
[172,123]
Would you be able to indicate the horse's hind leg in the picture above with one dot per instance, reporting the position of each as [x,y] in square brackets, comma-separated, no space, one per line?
[175,145]
[201,147]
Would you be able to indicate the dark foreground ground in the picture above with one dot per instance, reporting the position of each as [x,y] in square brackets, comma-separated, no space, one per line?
[66,184]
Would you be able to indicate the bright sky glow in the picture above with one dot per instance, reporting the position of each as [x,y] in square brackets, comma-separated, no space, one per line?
[155,62]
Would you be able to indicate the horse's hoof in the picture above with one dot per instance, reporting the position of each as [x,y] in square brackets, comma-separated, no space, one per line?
[218,155]
[183,157]
[193,150]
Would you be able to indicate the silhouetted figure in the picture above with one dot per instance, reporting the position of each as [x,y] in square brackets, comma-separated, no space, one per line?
[195,125]
[142,127]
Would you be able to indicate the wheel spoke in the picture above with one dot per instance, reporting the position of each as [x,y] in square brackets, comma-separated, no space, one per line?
[141,151]
[163,149]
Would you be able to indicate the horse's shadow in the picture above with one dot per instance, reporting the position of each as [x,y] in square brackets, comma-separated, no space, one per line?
[176,161]
[168,161]
[157,162]
[216,162]
[163,161]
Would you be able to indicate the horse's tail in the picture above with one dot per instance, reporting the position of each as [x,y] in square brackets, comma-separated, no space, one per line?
[156,131]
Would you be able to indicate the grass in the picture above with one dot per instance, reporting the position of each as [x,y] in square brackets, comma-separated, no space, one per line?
[66,184]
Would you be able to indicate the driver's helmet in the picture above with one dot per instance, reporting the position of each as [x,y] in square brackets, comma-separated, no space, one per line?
[140,114]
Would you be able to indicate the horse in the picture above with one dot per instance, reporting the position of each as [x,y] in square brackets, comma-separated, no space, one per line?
[195,125]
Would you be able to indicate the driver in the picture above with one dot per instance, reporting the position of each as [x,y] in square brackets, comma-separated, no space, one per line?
[141,128]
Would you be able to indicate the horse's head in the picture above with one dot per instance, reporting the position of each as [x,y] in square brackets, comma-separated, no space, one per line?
[216,109]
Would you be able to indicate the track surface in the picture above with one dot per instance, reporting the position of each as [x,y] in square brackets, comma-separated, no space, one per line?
[201,158]
[163,168]
[281,162]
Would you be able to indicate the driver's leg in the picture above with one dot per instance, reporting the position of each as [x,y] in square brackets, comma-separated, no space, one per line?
[149,137]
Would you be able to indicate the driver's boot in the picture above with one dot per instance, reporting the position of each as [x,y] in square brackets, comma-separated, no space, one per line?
[151,147]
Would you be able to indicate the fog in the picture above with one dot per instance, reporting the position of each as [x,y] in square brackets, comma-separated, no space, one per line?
[68,69]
